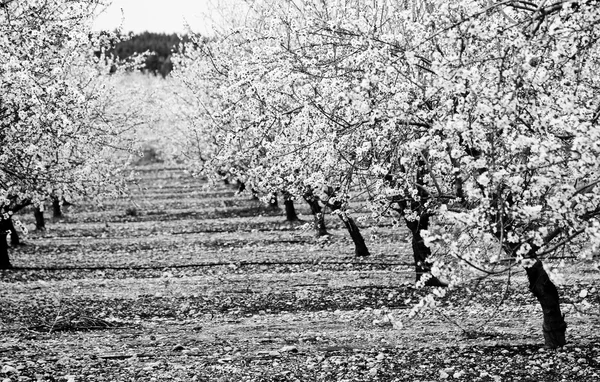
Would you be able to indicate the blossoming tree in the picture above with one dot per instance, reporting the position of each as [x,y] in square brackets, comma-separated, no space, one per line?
[517,117]
[481,114]
[253,115]
[55,139]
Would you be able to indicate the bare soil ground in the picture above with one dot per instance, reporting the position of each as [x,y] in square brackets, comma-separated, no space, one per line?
[181,282]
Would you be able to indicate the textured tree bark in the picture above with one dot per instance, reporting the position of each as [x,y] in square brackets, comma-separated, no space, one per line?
[319,218]
[273,202]
[40,224]
[4,260]
[290,210]
[8,225]
[56,208]
[241,186]
[554,326]
[224,176]
[421,252]
[360,248]
[14,235]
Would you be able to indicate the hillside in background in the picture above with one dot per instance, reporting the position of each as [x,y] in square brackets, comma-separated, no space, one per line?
[161,46]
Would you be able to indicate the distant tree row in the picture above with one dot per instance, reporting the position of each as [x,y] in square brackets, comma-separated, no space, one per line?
[160,46]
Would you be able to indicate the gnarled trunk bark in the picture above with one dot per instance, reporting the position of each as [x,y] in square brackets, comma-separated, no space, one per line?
[360,248]
[554,326]
[290,210]
[56,209]
[241,186]
[224,177]
[421,252]
[319,217]
[273,202]
[40,224]
[4,260]
[8,225]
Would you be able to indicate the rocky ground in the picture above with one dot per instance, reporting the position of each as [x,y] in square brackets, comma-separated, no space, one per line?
[182,282]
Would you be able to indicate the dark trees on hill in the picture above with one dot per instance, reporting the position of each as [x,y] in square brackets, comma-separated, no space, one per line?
[160,46]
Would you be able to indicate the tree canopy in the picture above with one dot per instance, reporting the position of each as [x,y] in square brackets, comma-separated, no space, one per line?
[57,137]
[483,115]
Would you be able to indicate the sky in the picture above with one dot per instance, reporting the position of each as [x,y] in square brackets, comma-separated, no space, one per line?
[166,16]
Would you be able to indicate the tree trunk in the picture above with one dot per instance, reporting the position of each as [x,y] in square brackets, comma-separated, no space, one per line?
[4,260]
[420,251]
[290,210]
[273,202]
[14,235]
[360,248]
[224,177]
[319,217]
[543,289]
[241,186]
[40,224]
[56,208]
